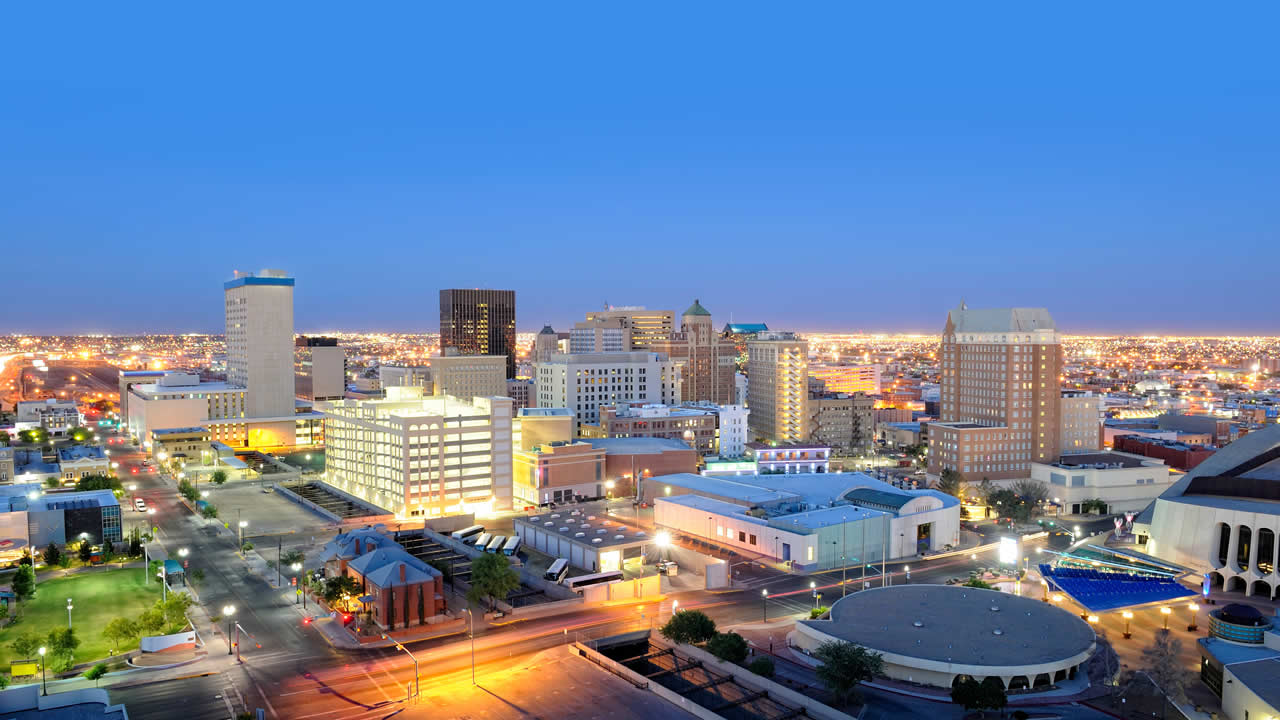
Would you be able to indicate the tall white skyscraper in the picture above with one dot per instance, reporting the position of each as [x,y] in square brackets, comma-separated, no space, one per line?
[260,341]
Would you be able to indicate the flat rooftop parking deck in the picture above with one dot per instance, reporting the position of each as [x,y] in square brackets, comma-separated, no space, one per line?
[336,504]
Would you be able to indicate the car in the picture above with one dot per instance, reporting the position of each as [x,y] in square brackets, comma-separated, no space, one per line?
[139,504]
[668,567]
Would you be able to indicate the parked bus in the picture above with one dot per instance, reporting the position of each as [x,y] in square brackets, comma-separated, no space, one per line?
[512,546]
[482,541]
[557,571]
[495,544]
[467,535]
[577,583]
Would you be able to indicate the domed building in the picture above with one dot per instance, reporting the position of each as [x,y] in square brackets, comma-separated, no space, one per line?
[939,635]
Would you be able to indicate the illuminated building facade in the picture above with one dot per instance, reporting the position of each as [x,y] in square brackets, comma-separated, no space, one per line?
[846,378]
[259,311]
[707,360]
[644,327]
[480,322]
[588,382]
[421,456]
[1000,394]
[778,387]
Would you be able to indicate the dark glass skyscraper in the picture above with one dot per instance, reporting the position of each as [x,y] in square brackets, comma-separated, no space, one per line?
[479,322]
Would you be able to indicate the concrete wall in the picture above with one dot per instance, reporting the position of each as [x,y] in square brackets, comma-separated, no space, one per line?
[446,525]
[156,643]
[641,682]
[289,495]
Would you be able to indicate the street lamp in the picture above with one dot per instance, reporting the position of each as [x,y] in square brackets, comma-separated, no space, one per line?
[1127,617]
[411,657]
[1165,611]
[229,610]
[44,684]
[68,613]
[473,644]
[296,567]
[907,570]
[241,526]
[814,587]
[764,603]
[1194,608]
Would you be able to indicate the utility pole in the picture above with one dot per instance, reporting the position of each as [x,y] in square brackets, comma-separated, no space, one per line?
[844,553]
[279,545]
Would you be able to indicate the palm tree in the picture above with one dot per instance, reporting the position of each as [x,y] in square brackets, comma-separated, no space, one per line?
[950,482]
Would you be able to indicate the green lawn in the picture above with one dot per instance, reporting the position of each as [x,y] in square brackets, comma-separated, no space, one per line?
[97,598]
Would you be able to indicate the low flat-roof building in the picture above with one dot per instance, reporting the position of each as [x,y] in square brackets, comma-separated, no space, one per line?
[629,459]
[695,426]
[558,472]
[809,521]
[939,634]
[183,445]
[790,457]
[78,461]
[593,543]
[56,417]
[1125,482]
[30,518]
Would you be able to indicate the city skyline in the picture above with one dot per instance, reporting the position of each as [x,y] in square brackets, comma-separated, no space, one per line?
[985,158]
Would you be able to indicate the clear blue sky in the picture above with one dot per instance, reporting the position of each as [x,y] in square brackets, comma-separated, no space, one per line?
[812,166]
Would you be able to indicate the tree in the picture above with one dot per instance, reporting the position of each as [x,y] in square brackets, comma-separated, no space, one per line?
[973,695]
[218,477]
[292,557]
[187,490]
[24,583]
[4,679]
[209,512]
[52,555]
[151,621]
[844,665]
[492,577]
[135,544]
[95,673]
[730,647]
[81,434]
[1032,492]
[32,436]
[689,627]
[120,631]
[335,588]
[982,491]
[98,482]
[978,583]
[174,609]
[1164,666]
[85,551]
[446,569]
[25,645]
[762,666]
[62,645]
[422,607]
[950,482]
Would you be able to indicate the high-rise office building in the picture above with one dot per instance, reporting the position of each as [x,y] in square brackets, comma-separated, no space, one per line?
[545,344]
[321,368]
[1000,396]
[260,341]
[706,358]
[479,322]
[586,383]
[600,335]
[645,327]
[778,387]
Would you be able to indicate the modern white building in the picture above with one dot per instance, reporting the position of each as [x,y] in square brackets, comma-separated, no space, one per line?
[462,376]
[809,521]
[731,427]
[586,382]
[182,400]
[1221,519]
[259,309]
[1125,482]
[421,456]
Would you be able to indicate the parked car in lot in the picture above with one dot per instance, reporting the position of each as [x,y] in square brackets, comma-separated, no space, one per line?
[668,567]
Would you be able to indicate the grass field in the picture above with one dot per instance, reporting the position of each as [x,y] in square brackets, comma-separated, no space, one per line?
[97,597]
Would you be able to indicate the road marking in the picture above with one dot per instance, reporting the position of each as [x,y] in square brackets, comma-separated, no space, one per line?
[375,684]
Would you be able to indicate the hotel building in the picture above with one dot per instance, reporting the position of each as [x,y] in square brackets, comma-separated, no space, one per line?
[644,327]
[707,360]
[778,387]
[1000,397]
[420,456]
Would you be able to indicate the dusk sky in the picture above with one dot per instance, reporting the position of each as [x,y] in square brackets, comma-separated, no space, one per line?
[830,167]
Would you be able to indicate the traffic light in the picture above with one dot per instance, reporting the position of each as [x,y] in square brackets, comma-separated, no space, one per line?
[294,582]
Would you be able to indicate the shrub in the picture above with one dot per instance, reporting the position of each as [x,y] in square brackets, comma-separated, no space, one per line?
[730,647]
[762,666]
[818,612]
[689,627]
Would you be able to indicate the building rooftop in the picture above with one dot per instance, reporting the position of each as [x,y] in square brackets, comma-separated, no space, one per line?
[591,530]
[744,328]
[963,425]
[996,320]
[954,624]
[179,431]
[787,446]
[638,445]
[696,309]
[722,487]
[545,412]
[74,453]
[148,389]
[1108,459]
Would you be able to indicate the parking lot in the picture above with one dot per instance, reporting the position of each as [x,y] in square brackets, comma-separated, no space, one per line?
[265,512]
[335,504]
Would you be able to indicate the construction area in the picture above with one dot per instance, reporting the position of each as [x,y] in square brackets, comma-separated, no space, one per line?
[691,680]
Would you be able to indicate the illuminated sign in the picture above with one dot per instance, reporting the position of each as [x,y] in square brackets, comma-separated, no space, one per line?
[1008,551]
[24,668]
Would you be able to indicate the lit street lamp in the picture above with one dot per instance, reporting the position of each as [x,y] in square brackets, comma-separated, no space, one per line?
[1165,611]
[68,613]
[44,684]
[764,603]
[814,587]
[405,650]
[229,610]
[296,567]
[473,644]
[241,526]
[1127,617]
[1194,608]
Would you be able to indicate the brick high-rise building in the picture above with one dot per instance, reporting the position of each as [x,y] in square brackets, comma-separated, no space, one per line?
[479,322]
[778,387]
[707,359]
[1000,394]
